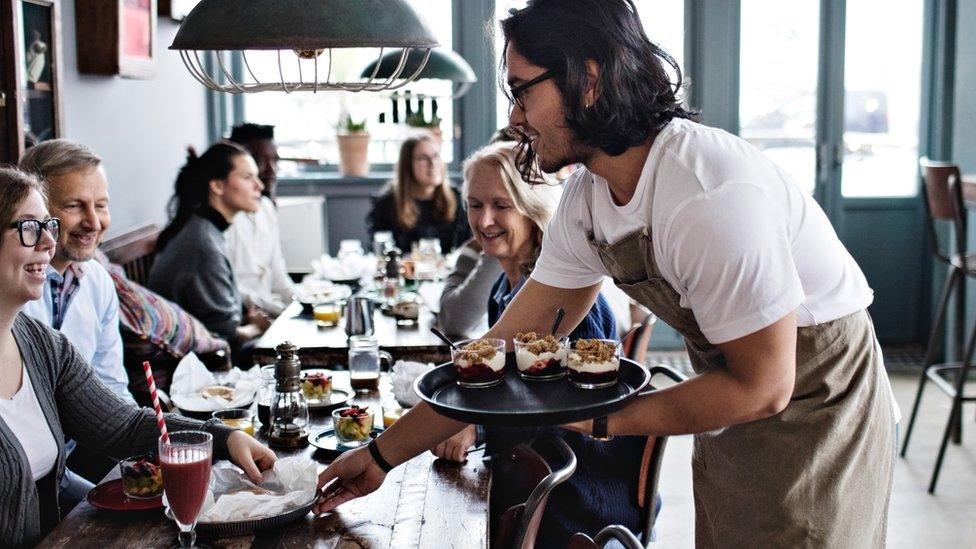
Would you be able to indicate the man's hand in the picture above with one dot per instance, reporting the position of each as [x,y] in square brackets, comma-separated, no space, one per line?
[250,455]
[456,447]
[354,474]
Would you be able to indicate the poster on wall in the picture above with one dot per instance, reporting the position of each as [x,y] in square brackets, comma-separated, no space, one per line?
[137,33]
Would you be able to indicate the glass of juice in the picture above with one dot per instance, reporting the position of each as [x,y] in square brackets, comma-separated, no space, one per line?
[237,418]
[186,477]
[328,315]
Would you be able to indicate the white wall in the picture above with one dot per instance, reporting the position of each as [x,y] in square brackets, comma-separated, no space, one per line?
[140,128]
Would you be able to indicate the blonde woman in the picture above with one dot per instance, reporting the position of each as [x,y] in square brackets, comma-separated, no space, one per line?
[508,217]
[419,202]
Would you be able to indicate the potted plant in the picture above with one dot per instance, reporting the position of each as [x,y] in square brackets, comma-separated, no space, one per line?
[353,146]
[418,119]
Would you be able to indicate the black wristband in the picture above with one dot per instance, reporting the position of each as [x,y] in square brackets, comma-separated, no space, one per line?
[378,457]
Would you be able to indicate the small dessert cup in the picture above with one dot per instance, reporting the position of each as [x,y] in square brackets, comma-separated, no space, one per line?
[479,362]
[540,358]
[317,386]
[142,477]
[594,363]
[353,425]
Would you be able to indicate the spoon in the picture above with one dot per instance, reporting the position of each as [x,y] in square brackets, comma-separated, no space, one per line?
[443,338]
[560,313]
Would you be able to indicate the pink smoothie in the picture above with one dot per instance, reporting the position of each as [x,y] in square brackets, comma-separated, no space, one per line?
[186,476]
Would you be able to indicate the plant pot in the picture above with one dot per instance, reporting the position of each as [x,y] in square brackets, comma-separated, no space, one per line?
[353,158]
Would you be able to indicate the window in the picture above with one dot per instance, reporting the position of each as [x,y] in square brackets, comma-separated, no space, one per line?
[663,22]
[882,98]
[306,123]
[778,83]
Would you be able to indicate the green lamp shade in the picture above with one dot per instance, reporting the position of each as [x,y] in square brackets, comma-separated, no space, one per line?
[443,65]
[217,25]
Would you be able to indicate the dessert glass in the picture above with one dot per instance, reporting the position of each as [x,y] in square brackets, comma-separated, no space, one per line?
[479,362]
[540,358]
[353,425]
[593,363]
[142,477]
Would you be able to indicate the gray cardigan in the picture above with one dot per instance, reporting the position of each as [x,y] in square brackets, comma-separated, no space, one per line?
[79,407]
[194,270]
[463,306]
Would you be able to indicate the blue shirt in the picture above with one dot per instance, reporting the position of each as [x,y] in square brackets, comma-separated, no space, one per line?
[89,317]
[603,490]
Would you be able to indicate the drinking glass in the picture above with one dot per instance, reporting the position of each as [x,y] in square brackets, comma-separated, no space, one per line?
[328,315]
[349,248]
[427,256]
[186,477]
[364,363]
[237,419]
[266,393]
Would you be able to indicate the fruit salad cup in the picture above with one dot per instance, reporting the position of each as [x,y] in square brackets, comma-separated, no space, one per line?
[142,477]
[479,362]
[353,425]
[317,386]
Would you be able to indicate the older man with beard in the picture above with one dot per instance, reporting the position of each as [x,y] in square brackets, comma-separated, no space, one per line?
[79,297]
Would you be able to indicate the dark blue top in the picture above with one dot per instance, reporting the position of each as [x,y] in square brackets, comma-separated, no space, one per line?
[603,490]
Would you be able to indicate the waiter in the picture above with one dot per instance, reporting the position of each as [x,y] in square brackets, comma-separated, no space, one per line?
[792,412]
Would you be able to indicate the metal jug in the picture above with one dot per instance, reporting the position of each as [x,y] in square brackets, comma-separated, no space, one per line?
[359,316]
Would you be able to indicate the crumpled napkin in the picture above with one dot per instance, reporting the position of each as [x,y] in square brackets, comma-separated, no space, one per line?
[191,376]
[233,497]
[402,375]
[354,266]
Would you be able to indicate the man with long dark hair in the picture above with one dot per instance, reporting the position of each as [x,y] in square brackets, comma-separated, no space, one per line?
[793,416]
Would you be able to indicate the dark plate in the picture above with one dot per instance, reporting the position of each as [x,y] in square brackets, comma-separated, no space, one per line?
[205,415]
[326,441]
[516,402]
[109,496]
[244,527]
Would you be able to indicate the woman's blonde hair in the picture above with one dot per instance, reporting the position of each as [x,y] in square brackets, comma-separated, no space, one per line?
[404,183]
[536,201]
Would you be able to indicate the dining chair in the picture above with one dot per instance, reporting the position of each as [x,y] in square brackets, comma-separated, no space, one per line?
[647,489]
[524,476]
[634,346]
[944,201]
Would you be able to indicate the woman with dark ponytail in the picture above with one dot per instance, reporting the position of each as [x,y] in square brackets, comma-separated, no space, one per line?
[191,265]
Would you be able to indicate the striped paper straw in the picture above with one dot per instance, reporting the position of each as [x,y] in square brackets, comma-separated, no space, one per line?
[155,399]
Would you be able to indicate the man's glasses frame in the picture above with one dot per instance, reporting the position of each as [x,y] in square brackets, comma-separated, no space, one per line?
[30,230]
[518,92]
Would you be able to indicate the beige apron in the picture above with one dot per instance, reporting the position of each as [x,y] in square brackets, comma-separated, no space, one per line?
[818,474]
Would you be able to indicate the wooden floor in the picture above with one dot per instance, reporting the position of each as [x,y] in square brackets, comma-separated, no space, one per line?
[916,519]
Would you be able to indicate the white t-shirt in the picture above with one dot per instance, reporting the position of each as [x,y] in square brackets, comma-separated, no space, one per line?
[738,240]
[24,417]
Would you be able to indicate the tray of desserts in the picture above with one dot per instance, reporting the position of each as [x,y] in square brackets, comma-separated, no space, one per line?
[546,381]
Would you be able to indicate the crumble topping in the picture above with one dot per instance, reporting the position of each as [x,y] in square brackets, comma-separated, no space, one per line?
[536,345]
[478,350]
[594,350]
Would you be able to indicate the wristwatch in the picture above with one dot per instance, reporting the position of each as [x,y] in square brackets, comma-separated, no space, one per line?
[599,431]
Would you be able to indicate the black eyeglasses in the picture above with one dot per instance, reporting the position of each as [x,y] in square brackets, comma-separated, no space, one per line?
[518,92]
[30,230]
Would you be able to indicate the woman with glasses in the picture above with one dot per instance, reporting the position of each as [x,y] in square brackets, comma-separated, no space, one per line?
[419,202]
[192,266]
[48,393]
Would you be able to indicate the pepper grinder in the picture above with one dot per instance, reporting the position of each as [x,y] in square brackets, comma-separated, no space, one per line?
[289,411]
[392,278]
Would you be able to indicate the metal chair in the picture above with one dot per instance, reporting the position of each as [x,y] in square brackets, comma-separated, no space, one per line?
[944,201]
[524,479]
[647,491]
[634,346]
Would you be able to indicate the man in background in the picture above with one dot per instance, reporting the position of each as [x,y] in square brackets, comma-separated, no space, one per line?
[253,239]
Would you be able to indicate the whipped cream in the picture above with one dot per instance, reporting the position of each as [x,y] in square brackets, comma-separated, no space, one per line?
[579,365]
[525,359]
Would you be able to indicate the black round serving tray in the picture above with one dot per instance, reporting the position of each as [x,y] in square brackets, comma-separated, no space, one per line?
[517,402]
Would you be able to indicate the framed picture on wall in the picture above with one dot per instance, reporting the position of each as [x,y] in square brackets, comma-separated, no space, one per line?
[176,9]
[116,37]
[30,63]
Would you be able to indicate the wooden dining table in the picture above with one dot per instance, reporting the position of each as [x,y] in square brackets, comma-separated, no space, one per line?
[328,346]
[425,502]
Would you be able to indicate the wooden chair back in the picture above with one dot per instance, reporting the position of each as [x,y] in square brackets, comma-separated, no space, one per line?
[134,250]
